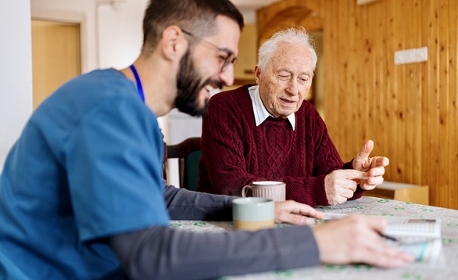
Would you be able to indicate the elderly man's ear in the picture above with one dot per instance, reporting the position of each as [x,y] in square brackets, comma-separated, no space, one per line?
[257,74]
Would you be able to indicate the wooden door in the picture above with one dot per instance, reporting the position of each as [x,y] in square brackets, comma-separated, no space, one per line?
[56,56]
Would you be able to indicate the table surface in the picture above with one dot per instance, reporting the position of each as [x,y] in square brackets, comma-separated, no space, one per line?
[446,269]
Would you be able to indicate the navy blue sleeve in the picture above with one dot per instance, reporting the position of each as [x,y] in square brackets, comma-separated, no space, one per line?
[183,204]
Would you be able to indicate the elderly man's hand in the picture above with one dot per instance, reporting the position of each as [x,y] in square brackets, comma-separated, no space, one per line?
[340,184]
[374,166]
[296,213]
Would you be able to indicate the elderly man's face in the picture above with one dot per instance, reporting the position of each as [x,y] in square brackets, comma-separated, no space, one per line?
[286,80]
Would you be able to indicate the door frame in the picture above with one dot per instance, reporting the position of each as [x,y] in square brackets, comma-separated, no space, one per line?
[67,17]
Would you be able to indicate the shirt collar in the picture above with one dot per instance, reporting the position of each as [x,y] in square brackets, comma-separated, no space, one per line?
[260,111]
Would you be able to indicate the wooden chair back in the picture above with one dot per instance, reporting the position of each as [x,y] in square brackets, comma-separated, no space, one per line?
[188,154]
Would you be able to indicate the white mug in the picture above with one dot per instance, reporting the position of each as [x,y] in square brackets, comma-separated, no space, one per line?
[253,213]
[274,190]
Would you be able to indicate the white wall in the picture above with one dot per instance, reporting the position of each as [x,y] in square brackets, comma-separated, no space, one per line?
[120,33]
[16,73]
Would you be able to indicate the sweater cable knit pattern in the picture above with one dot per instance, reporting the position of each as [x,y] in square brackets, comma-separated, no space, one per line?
[235,152]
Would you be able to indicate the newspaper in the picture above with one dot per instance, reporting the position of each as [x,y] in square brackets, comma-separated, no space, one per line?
[418,237]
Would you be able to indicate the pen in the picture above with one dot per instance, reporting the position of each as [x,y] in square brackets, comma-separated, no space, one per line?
[388,237]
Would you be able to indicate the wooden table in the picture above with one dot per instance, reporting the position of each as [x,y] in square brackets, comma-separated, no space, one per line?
[447,268]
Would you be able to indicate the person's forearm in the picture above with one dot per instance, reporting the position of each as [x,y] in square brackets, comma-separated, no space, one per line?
[183,204]
[164,253]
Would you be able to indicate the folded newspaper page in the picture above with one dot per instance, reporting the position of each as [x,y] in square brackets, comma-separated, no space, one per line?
[418,237]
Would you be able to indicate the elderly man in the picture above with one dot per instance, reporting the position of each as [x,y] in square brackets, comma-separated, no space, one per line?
[268,132]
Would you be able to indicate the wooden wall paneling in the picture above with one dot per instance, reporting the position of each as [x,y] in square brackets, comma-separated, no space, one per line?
[412,93]
[442,51]
[453,124]
[287,13]
[348,95]
[368,104]
[414,88]
[389,148]
[385,64]
[398,162]
[443,94]
[426,25]
[334,91]
[348,92]
[386,80]
[427,109]
[453,77]
[358,57]
[445,106]
[409,110]
[434,114]
[433,136]
[277,16]
[376,128]
[417,90]
[312,22]
[328,86]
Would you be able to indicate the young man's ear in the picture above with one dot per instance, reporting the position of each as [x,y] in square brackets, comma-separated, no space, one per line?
[173,42]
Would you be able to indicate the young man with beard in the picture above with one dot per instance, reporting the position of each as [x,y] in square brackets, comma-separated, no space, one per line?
[82,194]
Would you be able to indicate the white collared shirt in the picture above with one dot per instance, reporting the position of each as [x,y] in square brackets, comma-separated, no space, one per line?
[260,111]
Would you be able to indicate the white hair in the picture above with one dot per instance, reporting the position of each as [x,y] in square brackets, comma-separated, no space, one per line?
[296,35]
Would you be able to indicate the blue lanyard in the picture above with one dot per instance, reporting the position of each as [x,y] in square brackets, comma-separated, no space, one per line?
[138,82]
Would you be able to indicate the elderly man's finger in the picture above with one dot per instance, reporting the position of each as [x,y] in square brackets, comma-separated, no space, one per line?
[366,150]
[367,187]
[376,171]
[377,180]
[379,161]
[353,174]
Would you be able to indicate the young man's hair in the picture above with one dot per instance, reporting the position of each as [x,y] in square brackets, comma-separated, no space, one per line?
[195,16]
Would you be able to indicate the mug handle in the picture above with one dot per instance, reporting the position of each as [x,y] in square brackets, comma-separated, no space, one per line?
[244,190]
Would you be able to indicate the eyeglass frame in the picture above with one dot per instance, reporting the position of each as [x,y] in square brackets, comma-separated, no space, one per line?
[230,57]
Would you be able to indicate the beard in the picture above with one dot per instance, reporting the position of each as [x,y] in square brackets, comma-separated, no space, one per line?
[188,87]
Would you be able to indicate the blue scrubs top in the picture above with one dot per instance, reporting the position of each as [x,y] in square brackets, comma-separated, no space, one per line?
[87,166]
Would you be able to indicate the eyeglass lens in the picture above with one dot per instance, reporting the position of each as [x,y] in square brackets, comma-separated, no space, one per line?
[230,56]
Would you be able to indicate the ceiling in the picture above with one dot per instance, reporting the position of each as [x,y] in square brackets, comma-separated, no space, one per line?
[252,4]
[248,8]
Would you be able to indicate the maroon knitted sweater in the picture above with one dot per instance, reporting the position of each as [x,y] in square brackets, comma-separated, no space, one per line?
[235,152]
